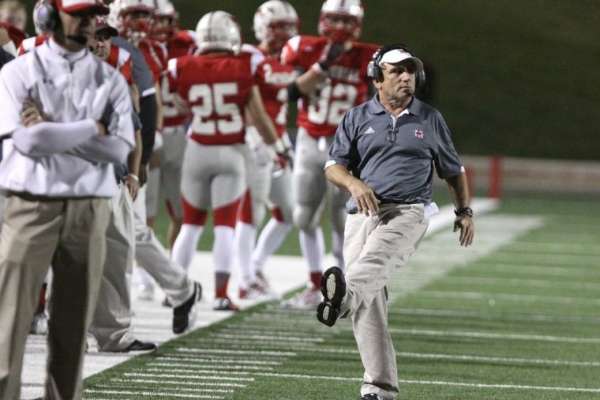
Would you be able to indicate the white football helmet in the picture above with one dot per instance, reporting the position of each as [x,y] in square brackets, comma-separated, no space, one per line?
[341,8]
[165,20]
[275,12]
[218,30]
[122,17]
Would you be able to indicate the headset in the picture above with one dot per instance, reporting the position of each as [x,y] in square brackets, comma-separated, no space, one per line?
[374,69]
[45,16]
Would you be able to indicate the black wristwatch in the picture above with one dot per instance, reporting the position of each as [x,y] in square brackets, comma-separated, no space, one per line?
[464,212]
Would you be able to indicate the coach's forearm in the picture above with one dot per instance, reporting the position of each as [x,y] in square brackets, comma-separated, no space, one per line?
[109,149]
[48,138]
[340,176]
[459,190]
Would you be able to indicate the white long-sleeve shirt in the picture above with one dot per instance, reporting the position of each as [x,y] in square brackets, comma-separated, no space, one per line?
[64,157]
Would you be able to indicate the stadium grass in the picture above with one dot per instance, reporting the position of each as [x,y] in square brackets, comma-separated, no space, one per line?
[520,322]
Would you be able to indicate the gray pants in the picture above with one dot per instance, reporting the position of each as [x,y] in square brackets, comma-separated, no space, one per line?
[70,235]
[373,246]
[128,235]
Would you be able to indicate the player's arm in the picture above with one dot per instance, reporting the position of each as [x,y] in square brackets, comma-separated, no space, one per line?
[159,108]
[308,82]
[261,120]
[459,190]
[134,160]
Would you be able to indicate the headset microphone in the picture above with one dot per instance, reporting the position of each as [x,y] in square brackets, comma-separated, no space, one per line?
[82,40]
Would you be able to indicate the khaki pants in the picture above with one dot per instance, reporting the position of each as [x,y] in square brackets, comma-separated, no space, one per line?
[68,234]
[128,236]
[373,246]
[111,325]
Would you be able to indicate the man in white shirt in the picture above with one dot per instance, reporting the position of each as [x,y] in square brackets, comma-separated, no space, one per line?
[69,118]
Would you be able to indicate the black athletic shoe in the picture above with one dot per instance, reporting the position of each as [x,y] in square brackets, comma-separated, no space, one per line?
[185,315]
[371,396]
[137,346]
[333,288]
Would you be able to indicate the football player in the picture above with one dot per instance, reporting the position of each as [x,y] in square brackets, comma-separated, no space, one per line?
[13,21]
[135,20]
[219,87]
[334,79]
[275,22]
[176,43]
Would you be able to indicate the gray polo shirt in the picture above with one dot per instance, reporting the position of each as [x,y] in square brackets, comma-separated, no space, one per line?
[395,157]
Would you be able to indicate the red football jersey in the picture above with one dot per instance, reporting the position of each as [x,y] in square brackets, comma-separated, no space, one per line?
[217,88]
[120,59]
[346,87]
[273,79]
[156,58]
[181,44]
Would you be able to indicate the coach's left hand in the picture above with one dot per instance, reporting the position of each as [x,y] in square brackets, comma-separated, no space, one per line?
[30,114]
[467,229]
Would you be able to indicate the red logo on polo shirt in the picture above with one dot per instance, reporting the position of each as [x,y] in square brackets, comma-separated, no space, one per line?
[419,134]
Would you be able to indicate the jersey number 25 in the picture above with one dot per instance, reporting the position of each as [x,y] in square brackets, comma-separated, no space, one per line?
[213,114]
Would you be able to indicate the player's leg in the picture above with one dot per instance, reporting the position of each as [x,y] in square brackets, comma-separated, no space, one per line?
[145,289]
[195,197]
[251,213]
[26,249]
[280,224]
[171,163]
[227,188]
[309,191]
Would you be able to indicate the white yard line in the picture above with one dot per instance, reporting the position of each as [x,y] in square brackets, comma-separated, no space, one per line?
[521,298]
[495,336]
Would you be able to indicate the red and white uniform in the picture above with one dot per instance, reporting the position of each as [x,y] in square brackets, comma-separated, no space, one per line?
[165,182]
[318,116]
[217,89]
[156,58]
[346,88]
[120,59]
[181,44]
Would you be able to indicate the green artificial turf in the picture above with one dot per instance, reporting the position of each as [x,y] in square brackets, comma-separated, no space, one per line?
[518,323]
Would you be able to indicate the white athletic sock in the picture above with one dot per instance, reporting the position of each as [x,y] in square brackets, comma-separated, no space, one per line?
[337,244]
[313,248]
[185,245]
[271,237]
[223,248]
[245,237]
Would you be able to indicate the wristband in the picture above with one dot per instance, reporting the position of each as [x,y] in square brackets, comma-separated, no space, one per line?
[134,177]
[279,147]
[464,212]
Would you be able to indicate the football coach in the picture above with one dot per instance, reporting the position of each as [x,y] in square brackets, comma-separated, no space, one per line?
[384,153]
[68,115]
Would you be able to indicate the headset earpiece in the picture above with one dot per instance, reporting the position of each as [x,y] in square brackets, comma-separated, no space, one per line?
[45,16]
[374,69]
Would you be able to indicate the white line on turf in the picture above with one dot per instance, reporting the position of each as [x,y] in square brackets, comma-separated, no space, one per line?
[504,360]
[492,335]
[442,383]
[531,298]
[487,316]
[218,378]
[197,367]
[167,382]
[219,361]
[169,395]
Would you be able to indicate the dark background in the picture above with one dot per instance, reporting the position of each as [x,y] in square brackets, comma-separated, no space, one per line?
[516,78]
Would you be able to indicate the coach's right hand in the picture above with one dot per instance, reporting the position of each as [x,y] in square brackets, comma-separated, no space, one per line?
[364,196]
